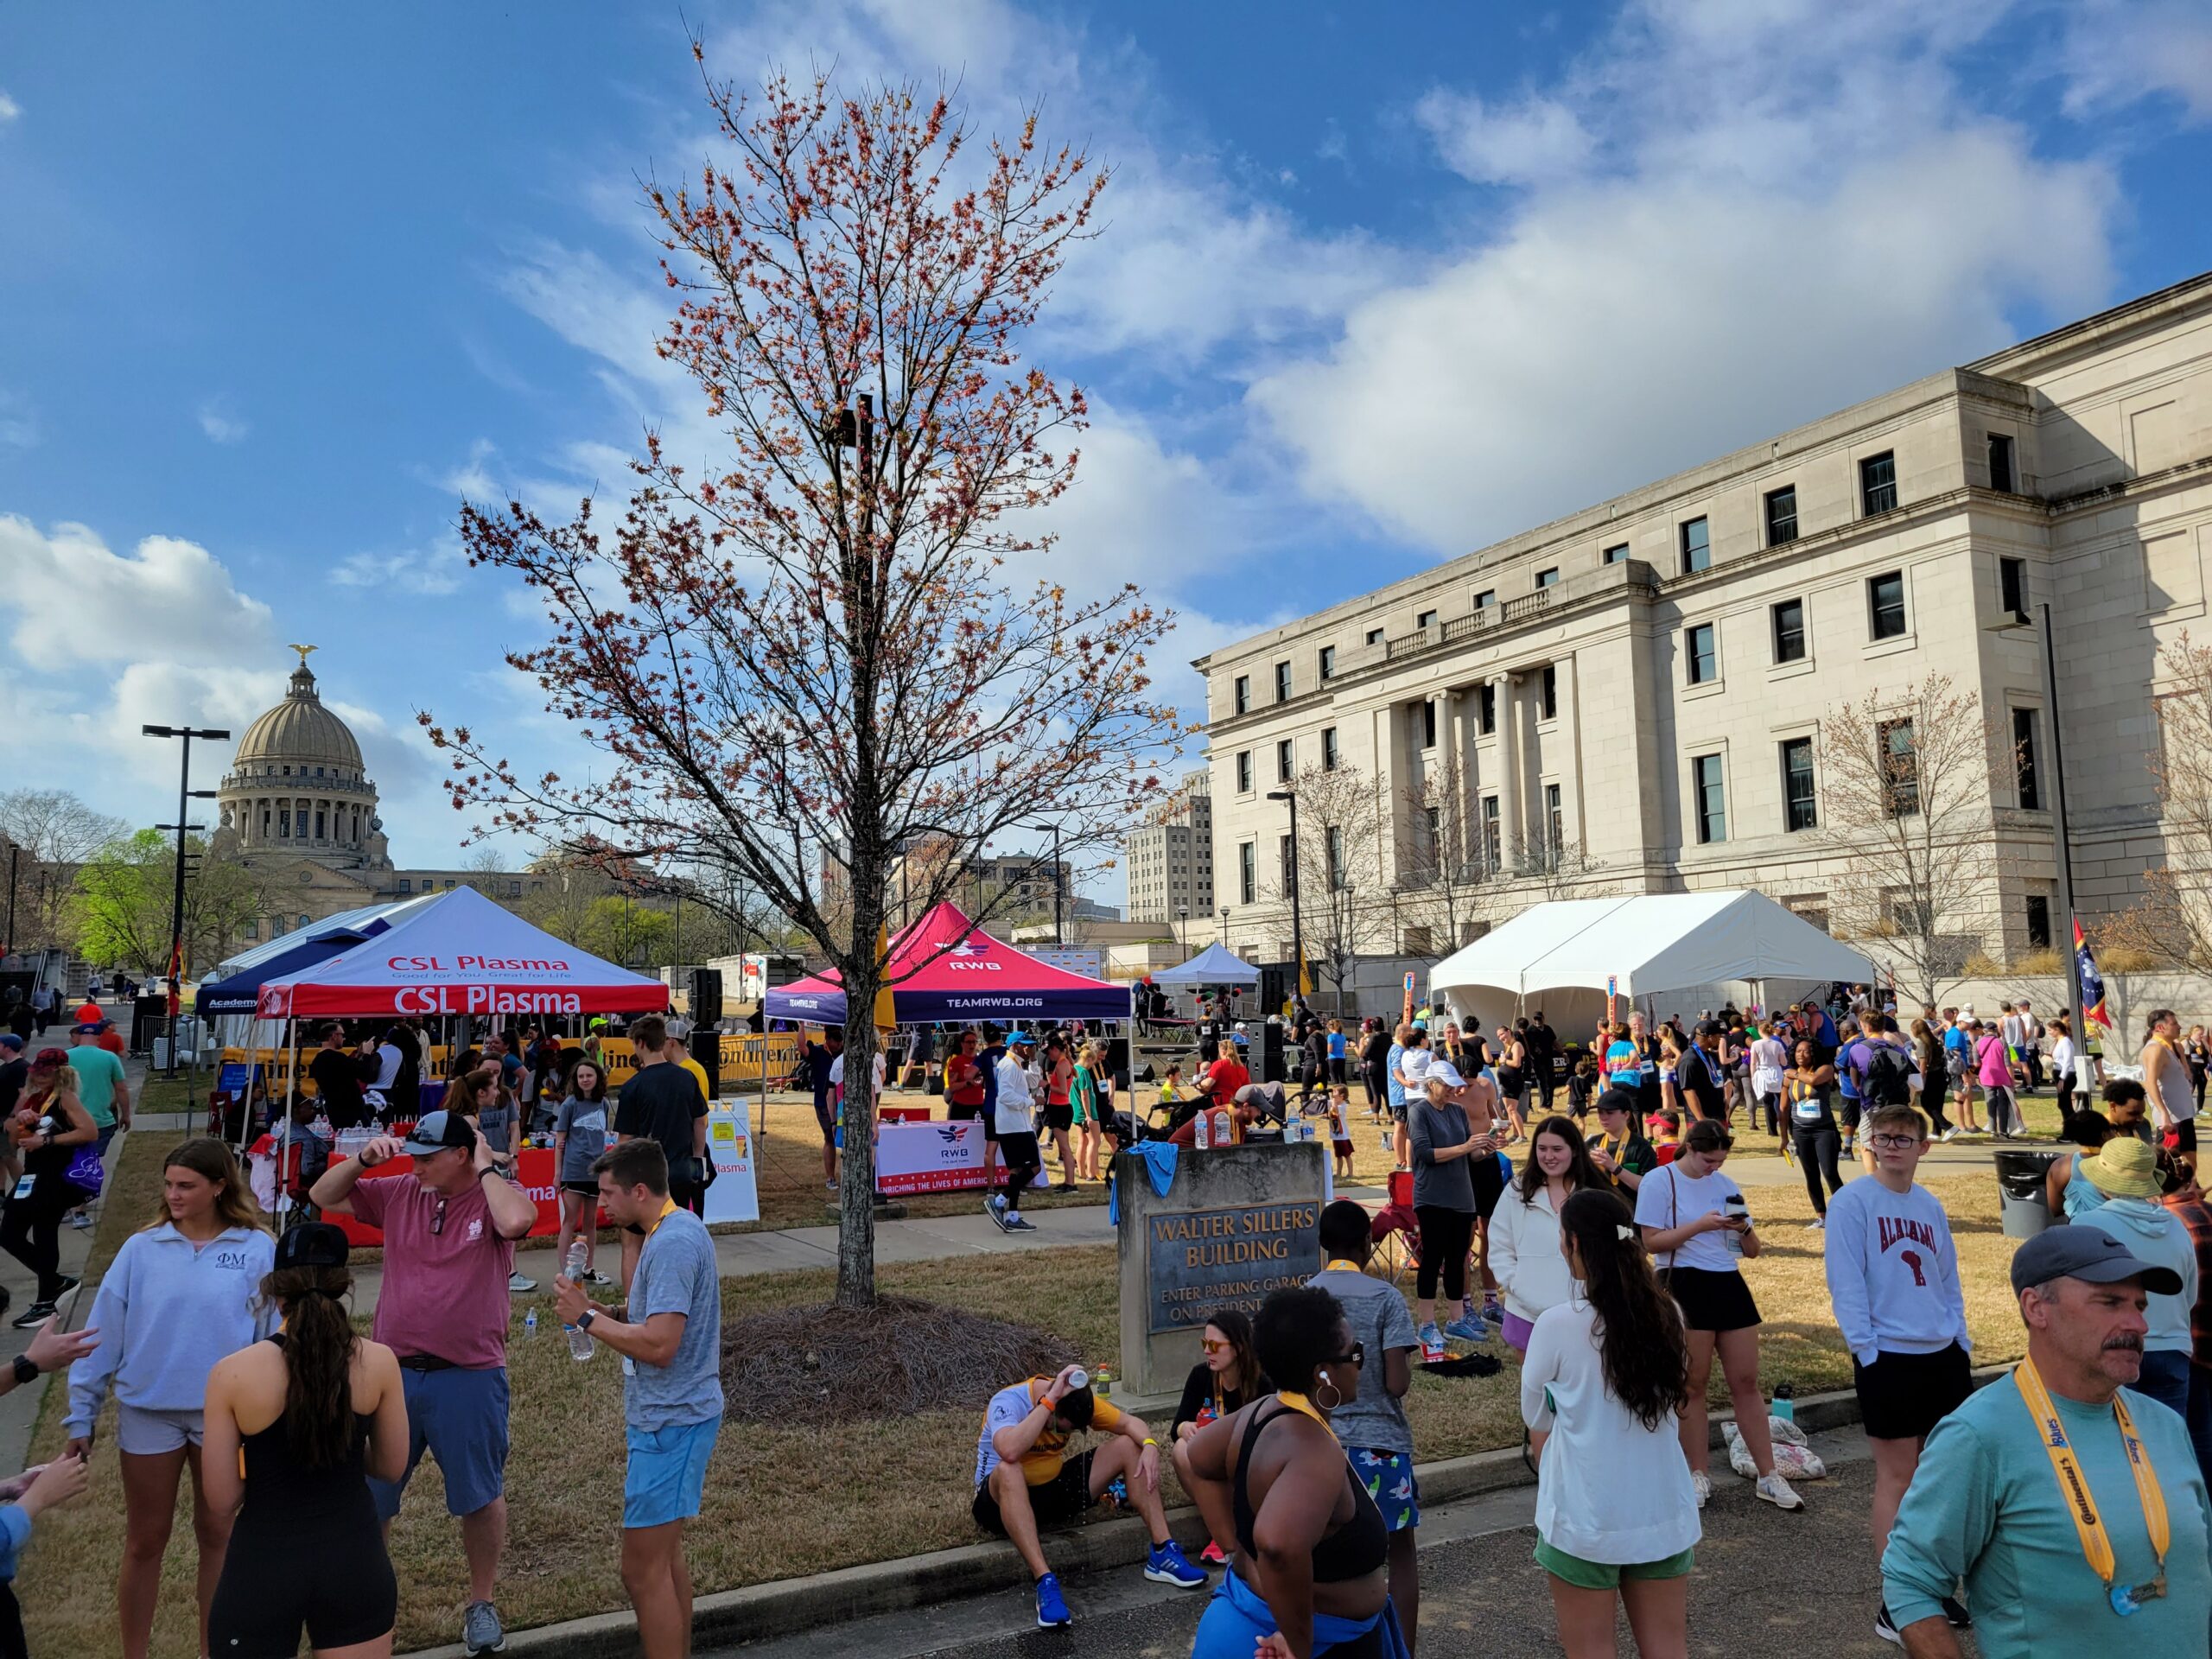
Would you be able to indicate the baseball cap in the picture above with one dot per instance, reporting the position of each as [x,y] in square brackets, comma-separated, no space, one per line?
[440,1132]
[311,1245]
[1020,1039]
[89,1028]
[8,1039]
[1617,1099]
[47,1058]
[2088,1254]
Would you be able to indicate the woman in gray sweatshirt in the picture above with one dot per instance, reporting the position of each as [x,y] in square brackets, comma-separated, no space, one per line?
[180,1296]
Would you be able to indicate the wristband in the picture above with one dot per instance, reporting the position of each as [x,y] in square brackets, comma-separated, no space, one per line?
[1153,1444]
[26,1369]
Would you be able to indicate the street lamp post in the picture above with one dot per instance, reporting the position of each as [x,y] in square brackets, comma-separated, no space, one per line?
[184,797]
[1297,932]
[1182,916]
[2061,844]
[1224,927]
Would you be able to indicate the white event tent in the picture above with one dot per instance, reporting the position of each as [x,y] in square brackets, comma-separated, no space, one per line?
[1669,953]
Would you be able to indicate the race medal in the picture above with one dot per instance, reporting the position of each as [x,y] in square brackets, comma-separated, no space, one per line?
[2123,1600]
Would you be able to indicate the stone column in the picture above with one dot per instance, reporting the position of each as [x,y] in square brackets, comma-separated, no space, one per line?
[1511,834]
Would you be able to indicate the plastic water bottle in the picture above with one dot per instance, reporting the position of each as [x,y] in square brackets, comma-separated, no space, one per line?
[530,1323]
[580,1342]
[1785,1403]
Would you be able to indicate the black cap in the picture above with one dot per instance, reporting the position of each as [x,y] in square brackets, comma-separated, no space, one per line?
[312,1244]
[1618,1100]
[2090,1254]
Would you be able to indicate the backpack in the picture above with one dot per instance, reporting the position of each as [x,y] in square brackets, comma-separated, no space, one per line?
[1889,1076]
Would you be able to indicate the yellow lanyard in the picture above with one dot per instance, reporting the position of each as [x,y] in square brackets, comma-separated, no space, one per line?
[1342,1262]
[667,1208]
[1300,1403]
[2096,1544]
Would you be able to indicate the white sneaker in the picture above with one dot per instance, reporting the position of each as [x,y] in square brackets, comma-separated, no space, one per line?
[1701,1484]
[1773,1489]
[1815,1225]
[1951,1133]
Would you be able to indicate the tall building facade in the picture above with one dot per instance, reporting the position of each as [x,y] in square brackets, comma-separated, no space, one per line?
[1633,698]
[1169,858]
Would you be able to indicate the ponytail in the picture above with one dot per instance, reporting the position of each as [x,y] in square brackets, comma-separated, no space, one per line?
[319,1343]
[1640,1338]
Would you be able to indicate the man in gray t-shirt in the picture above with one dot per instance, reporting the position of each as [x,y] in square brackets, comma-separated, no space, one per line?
[669,1336]
[1376,1437]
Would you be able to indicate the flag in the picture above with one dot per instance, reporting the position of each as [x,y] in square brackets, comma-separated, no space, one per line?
[2093,983]
[1305,973]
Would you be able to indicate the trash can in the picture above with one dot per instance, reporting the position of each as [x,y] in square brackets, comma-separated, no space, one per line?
[2020,1176]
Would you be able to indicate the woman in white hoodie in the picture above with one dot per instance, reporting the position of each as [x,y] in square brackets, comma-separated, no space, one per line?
[1524,1239]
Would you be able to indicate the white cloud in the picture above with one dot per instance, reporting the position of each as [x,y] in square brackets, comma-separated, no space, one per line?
[220,424]
[166,598]
[18,422]
[1774,208]
[1527,143]
[429,570]
[2116,53]
[9,110]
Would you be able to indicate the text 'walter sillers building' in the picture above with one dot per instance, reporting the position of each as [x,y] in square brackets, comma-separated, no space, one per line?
[1632,698]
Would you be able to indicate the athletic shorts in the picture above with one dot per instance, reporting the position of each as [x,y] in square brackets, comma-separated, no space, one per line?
[151,1433]
[1489,1183]
[825,1116]
[1848,1109]
[1016,1151]
[1712,1302]
[667,1472]
[587,1189]
[1903,1396]
[2185,1133]
[1609,1575]
[1389,1478]
[459,1417]
[1062,1498]
[1056,1117]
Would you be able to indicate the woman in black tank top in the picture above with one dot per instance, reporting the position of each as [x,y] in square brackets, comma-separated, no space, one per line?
[1274,1477]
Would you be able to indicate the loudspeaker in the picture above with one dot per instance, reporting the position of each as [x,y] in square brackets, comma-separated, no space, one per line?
[706,1046]
[1117,1060]
[1271,1062]
[706,995]
[1274,991]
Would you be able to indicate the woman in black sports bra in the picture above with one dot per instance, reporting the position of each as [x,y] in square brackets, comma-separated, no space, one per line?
[295,1425]
[1274,1477]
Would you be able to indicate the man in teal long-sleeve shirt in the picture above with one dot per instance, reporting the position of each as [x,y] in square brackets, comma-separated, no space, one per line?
[1986,1504]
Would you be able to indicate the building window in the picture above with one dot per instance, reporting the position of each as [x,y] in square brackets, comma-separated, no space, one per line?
[1555,818]
[1485,708]
[1328,661]
[1900,767]
[1781,516]
[2038,922]
[319,833]
[1697,547]
[1428,723]
[2001,463]
[1485,599]
[403,885]
[1375,636]
[1328,748]
[1282,682]
[253,927]
[1548,578]
[1549,688]
[1798,810]
[1285,862]
[1242,701]
[1426,620]
[1282,761]
[1243,772]
[1878,483]
[2025,747]
[1493,836]
[1247,875]
[284,823]
[2013,587]
[304,918]
[514,889]
[1712,805]
[1702,654]
[1336,851]
[1616,555]
[1885,605]
[1790,631]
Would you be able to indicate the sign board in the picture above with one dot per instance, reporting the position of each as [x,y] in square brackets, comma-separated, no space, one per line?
[760,972]
[734,1195]
[236,1078]
[1202,1260]
[1084,959]
[933,1156]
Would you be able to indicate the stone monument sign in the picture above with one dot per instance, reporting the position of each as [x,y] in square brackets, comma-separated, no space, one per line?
[1236,1224]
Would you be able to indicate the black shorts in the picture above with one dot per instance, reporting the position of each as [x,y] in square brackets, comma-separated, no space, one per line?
[1903,1396]
[1489,1177]
[2185,1135]
[1712,1302]
[1061,1117]
[1848,1108]
[1016,1151]
[827,1119]
[589,1189]
[1061,1498]
[955,1113]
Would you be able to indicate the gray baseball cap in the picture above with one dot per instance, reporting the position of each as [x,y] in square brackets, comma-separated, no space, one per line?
[2089,1255]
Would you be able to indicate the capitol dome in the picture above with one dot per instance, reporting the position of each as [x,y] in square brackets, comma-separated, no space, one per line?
[300,729]
[297,785]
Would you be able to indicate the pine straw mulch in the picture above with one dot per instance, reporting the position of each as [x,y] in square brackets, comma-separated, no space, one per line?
[823,1363]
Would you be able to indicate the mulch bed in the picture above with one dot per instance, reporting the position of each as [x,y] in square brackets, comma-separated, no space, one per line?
[824,1363]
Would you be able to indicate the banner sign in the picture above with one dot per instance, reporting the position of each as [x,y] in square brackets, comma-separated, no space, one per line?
[734,1194]
[1202,1260]
[932,1156]
[1087,960]
[534,1172]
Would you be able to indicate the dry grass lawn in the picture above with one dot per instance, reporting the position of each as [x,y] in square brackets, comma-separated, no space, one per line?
[786,1502]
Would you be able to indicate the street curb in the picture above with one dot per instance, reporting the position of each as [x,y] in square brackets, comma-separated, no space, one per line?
[788,1607]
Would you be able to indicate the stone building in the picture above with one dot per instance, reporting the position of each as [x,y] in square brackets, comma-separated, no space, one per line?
[1170,859]
[1637,690]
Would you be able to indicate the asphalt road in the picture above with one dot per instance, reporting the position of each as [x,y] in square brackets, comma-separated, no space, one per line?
[1768,1585]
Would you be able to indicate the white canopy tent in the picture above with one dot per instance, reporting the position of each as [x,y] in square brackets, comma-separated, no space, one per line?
[1702,947]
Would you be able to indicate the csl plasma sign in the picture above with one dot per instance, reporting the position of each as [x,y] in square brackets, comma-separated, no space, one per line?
[1199,1260]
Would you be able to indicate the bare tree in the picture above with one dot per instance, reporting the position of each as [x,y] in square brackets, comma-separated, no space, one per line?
[2171,926]
[1906,786]
[1338,853]
[1446,880]
[57,834]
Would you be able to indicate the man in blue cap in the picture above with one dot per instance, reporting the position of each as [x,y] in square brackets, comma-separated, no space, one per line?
[2070,1505]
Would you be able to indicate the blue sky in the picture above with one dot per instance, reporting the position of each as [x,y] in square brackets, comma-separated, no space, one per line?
[282,284]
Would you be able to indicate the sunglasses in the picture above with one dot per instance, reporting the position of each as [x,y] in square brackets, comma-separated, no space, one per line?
[1212,1347]
[1356,1358]
[438,1219]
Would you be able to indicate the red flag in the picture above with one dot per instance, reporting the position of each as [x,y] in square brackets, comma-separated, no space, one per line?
[2093,983]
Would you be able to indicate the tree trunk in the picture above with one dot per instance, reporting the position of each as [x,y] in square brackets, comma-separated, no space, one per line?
[856,1162]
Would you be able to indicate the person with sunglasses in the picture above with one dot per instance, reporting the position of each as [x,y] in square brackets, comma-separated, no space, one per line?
[1277,1470]
[449,1232]
[1893,1280]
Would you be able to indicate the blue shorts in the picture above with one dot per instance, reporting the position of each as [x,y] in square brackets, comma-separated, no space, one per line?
[460,1418]
[1389,1478]
[667,1472]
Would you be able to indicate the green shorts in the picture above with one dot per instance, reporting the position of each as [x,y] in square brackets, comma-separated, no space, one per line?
[1607,1575]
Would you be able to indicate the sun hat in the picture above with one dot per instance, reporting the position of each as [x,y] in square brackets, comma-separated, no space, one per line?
[2124,1167]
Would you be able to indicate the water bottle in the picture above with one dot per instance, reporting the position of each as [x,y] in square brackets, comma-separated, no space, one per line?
[1103,1385]
[1785,1403]
[530,1323]
[580,1342]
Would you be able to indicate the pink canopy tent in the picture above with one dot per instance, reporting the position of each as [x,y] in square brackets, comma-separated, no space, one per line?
[461,954]
[947,969]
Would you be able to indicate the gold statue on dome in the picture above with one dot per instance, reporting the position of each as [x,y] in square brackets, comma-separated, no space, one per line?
[304,651]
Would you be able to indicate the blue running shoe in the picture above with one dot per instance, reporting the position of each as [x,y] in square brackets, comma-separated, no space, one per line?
[1468,1328]
[1166,1565]
[1051,1607]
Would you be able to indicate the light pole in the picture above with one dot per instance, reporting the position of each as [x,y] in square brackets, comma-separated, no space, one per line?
[1182,918]
[1297,932]
[2061,844]
[1224,929]
[184,797]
